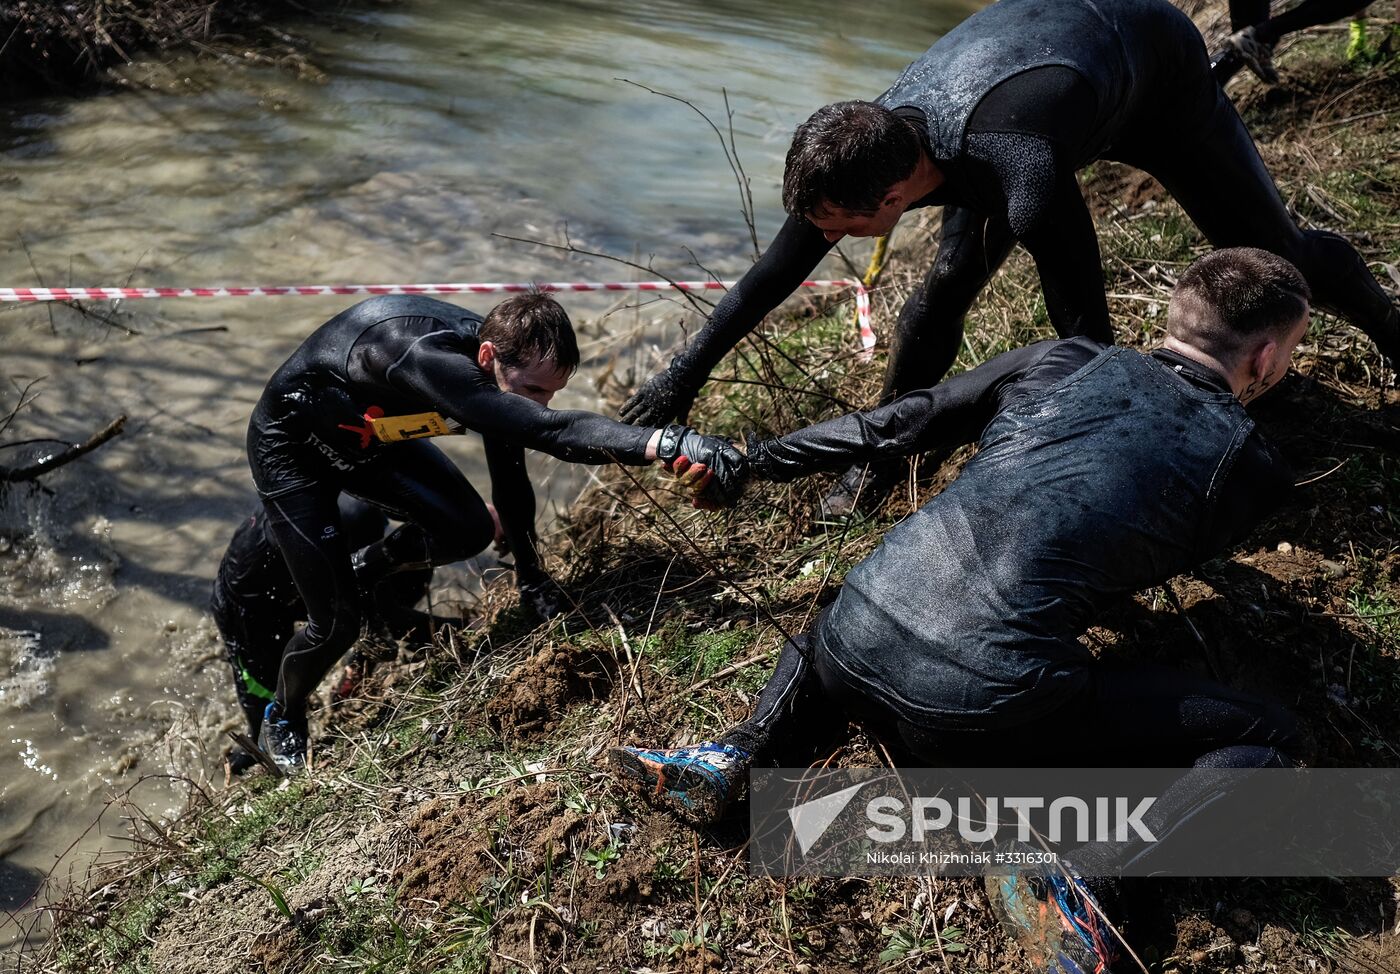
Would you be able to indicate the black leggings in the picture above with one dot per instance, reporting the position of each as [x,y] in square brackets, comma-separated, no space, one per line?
[1309,13]
[1197,146]
[256,628]
[445,521]
[253,644]
[1123,716]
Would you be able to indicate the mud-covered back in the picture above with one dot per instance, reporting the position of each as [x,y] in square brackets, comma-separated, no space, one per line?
[1104,484]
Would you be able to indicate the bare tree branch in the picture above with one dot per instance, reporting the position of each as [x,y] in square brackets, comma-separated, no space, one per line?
[730,150]
[34,470]
[24,400]
[568,246]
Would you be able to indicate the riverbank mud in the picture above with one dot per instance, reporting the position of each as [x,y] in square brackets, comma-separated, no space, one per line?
[53,46]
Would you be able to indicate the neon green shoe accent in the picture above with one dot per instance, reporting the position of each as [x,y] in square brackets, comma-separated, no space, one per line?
[254,687]
[1356,41]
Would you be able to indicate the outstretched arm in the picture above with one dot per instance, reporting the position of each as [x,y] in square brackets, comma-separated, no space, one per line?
[794,252]
[439,370]
[954,412]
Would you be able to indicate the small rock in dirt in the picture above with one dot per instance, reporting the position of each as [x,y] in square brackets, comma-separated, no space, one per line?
[654,928]
[1334,569]
[1284,548]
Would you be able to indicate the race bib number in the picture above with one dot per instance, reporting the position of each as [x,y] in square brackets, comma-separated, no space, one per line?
[392,429]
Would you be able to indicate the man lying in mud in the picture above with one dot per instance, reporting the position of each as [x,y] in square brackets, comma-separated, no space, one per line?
[992,124]
[1101,471]
[347,413]
[256,609]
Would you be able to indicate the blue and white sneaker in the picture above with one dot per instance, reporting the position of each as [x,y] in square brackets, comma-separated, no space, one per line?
[1057,921]
[283,739]
[699,781]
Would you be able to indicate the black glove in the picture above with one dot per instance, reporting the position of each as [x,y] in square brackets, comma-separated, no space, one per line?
[665,396]
[728,467]
[544,596]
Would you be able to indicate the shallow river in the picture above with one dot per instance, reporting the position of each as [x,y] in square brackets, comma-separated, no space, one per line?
[436,125]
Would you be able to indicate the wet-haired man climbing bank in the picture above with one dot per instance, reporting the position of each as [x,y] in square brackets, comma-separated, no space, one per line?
[348,413]
[992,124]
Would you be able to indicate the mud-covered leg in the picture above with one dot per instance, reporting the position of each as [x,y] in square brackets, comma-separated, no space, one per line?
[307,529]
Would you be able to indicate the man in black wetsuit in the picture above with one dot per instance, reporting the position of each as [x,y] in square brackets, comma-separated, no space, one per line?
[1101,471]
[347,413]
[1255,33]
[992,124]
[256,608]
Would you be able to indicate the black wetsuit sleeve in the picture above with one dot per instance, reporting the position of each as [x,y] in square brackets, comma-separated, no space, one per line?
[1259,483]
[514,499]
[796,250]
[1021,152]
[954,412]
[1048,216]
[437,369]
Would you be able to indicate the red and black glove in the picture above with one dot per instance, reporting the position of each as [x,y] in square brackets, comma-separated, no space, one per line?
[710,467]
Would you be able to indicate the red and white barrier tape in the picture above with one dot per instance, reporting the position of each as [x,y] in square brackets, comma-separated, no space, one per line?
[28,294]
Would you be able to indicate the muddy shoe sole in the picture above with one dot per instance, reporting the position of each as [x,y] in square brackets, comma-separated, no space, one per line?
[1031,918]
[685,789]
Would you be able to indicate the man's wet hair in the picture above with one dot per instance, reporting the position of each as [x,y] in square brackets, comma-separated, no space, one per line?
[1231,297]
[848,154]
[531,327]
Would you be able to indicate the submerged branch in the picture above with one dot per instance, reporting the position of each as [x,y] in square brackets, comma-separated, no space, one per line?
[10,476]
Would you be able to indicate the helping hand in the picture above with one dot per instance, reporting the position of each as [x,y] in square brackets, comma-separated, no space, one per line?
[710,467]
[662,398]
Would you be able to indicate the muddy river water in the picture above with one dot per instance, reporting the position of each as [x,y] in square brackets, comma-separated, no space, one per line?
[436,125]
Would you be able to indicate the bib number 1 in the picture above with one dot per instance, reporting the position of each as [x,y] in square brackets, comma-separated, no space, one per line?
[393,429]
